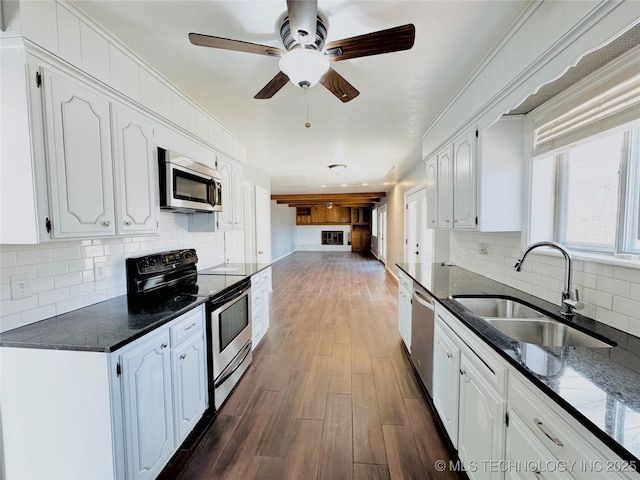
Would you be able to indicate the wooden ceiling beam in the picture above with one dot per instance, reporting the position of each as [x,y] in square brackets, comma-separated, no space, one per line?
[361,199]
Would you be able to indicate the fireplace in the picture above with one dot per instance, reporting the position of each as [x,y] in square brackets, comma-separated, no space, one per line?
[332,237]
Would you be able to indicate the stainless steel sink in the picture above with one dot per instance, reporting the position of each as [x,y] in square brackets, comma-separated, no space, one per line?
[524,324]
[493,307]
[545,331]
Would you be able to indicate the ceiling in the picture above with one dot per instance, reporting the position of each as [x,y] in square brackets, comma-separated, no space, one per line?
[377,135]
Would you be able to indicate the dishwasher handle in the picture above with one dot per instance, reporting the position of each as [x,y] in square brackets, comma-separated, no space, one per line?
[422,300]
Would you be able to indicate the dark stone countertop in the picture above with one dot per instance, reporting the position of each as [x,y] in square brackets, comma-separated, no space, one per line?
[110,325]
[600,387]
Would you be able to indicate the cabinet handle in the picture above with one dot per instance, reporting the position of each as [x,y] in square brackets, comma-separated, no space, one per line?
[449,356]
[260,252]
[106,223]
[164,345]
[462,372]
[455,220]
[190,326]
[183,356]
[127,223]
[553,439]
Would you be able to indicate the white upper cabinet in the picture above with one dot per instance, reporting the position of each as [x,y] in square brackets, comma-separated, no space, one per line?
[135,171]
[445,185]
[225,217]
[432,192]
[475,182]
[464,182]
[237,198]
[231,216]
[79,158]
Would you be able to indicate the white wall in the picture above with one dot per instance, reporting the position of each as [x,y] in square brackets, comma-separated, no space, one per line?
[309,238]
[611,293]
[62,273]
[283,230]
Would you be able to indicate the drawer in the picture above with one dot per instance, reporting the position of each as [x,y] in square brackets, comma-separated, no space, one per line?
[405,281]
[265,278]
[188,324]
[487,361]
[538,413]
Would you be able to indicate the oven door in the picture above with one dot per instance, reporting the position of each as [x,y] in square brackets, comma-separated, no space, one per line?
[230,330]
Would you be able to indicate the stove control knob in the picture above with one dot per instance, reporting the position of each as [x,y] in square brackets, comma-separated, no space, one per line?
[188,255]
[144,264]
[152,262]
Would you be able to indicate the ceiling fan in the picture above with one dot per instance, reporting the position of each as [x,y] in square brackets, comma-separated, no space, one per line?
[307,60]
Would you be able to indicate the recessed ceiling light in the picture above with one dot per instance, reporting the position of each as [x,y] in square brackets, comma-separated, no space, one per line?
[343,185]
[323,186]
[365,184]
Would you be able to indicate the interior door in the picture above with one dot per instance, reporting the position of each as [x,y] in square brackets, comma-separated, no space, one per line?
[382,229]
[416,227]
[263,225]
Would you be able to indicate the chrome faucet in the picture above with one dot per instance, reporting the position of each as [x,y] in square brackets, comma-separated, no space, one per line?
[568,305]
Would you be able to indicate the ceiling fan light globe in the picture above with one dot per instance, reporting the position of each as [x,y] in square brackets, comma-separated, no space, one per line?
[304,66]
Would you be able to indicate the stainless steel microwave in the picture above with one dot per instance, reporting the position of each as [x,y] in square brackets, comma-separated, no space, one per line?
[187,186]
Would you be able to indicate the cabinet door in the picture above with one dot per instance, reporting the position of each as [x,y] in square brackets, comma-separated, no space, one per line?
[148,407]
[464,182]
[445,186]
[446,365]
[481,428]
[79,158]
[135,172]
[225,217]
[237,198]
[190,384]
[432,192]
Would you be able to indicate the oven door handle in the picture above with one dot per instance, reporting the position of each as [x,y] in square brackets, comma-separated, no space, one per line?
[223,301]
[234,365]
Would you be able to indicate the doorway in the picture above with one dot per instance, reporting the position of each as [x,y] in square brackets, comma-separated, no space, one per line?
[415,226]
[382,234]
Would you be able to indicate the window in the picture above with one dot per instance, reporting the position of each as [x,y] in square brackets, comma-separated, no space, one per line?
[587,196]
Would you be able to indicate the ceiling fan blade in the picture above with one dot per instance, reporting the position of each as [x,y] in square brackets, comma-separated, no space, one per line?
[302,18]
[336,84]
[237,45]
[383,41]
[273,87]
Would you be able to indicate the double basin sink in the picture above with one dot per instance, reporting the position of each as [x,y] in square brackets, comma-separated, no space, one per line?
[525,324]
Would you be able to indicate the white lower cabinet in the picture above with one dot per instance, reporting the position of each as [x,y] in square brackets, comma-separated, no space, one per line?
[446,390]
[481,428]
[190,385]
[147,405]
[405,290]
[164,392]
[261,287]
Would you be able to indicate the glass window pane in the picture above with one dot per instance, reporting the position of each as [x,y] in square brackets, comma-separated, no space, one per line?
[592,192]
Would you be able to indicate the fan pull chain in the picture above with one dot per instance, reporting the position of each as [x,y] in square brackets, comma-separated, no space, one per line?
[306,101]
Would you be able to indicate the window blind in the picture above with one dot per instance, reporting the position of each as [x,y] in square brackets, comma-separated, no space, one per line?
[605,100]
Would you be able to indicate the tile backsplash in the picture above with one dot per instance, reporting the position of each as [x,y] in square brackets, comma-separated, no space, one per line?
[611,293]
[62,272]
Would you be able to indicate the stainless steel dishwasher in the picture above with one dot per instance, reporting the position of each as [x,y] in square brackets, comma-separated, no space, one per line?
[422,322]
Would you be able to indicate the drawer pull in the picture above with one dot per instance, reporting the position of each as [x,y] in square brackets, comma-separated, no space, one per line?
[164,345]
[462,372]
[183,356]
[190,326]
[449,355]
[549,436]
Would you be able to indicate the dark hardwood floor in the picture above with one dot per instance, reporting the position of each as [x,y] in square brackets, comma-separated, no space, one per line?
[330,393]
